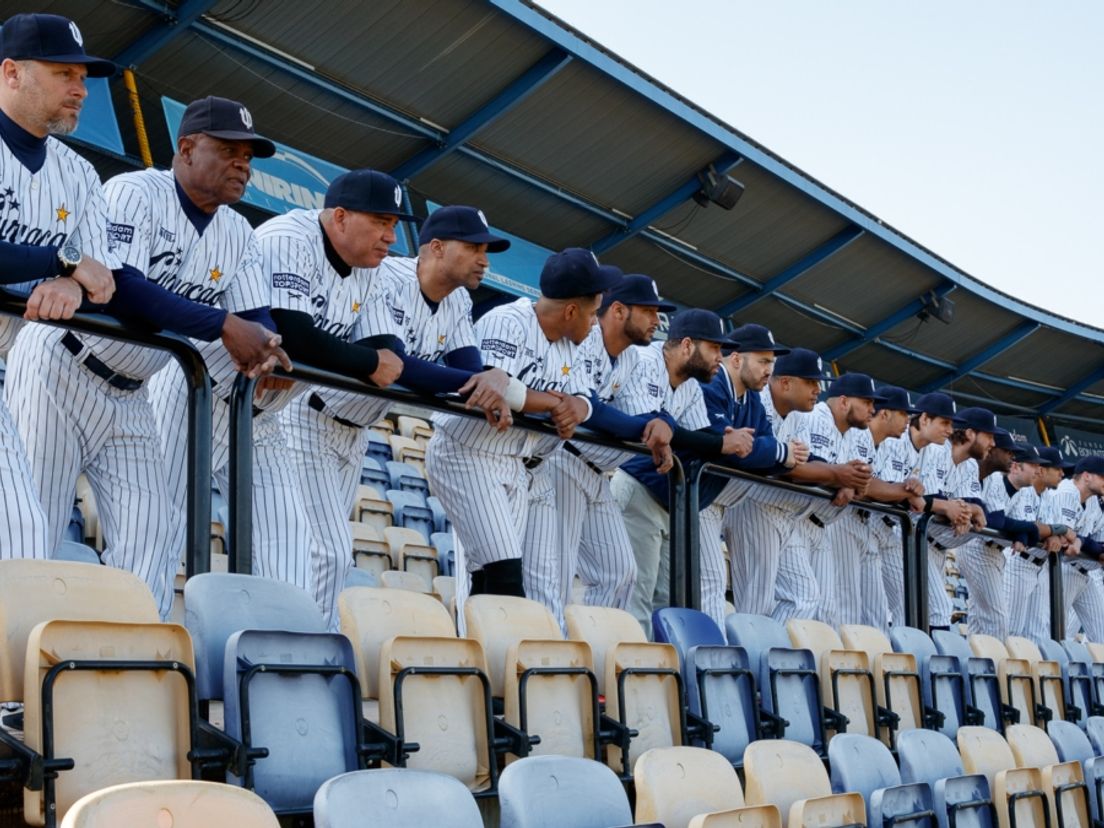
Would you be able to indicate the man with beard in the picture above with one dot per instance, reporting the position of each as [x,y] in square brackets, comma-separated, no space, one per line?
[668,378]
[1078,502]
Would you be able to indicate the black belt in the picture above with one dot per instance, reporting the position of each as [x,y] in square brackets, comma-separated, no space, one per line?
[1084,570]
[570,449]
[98,367]
[888,522]
[532,462]
[256,411]
[862,514]
[816,521]
[316,403]
[1032,558]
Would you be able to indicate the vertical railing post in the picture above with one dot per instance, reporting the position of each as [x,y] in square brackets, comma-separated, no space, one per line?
[1057,597]
[241,476]
[914,547]
[197,548]
[676,512]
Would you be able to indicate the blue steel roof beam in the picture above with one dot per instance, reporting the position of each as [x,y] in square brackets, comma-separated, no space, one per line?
[889,323]
[1073,391]
[983,356]
[515,92]
[171,25]
[802,266]
[723,165]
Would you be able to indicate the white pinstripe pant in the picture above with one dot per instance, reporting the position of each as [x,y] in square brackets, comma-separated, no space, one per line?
[853,550]
[982,565]
[24,532]
[1028,597]
[1083,595]
[648,525]
[891,565]
[765,565]
[712,563]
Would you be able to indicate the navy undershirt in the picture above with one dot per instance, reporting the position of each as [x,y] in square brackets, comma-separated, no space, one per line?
[199,219]
[24,262]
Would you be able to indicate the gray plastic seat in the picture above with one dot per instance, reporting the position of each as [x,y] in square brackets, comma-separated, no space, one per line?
[70,550]
[982,689]
[357,577]
[1094,729]
[397,798]
[863,764]
[930,757]
[561,792]
[1073,745]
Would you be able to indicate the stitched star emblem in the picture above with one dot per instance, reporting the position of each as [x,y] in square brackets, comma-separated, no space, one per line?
[566,369]
[216,274]
[62,213]
[441,339]
[356,307]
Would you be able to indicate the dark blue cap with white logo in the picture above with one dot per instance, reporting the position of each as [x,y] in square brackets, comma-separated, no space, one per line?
[636,289]
[459,223]
[367,191]
[854,385]
[575,272]
[754,338]
[51,38]
[936,404]
[801,363]
[1091,464]
[224,119]
[1003,440]
[697,323]
[1026,453]
[1051,458]
[977,418]
[895,398]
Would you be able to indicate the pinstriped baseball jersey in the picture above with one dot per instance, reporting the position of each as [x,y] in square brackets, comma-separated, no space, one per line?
[1085,518]
[963,480]
[995,492]
[63,200]
[608,378]
[649,389]
[819,431]
[785,429]
[1026,504]
[219,267]
[897,459]
[511,338]
[396,306]
[935,467]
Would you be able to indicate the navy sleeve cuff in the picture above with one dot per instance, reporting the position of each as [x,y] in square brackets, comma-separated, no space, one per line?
[26,263]
[139,301]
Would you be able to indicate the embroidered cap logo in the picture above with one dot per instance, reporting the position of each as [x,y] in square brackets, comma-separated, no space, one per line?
[76,33]
[247,119]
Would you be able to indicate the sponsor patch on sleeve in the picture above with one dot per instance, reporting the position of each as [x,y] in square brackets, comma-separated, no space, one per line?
[120,233]
[291,281]
[507,350]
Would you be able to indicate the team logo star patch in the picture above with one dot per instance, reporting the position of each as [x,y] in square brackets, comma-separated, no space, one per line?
[356,307]
[62,213]
[441,339]
[216,274]
[566,369]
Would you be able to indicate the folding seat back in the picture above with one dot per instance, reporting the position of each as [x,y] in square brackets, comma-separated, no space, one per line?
[1050,689]
[1063,782]
[675,784]
[371,552]
[757,634]
[861,763]
[217,605]
[406,478]
[444,587]
[411,552]
[178,803]
[33,591]
[446,551]
[395,797]
[1077,678]
[546,791]
[792,777]
[406,450]
[685,628]
[77,552]
[499,621]
[1096,650]
[441,522]
[414,427]
[721,689]
[551,692]
[846,678]
[406,581]
[378,448]
[369,617]
[752,816]
[1094,729]
[372,474]
[410,511]
[942,685]
[117,725]
[361,578]
[643,690]
[896,678]
[927,755]
[603,628]
[435,692]
[931,758]
[979,675]
[1073,745]
[1017,684]
[1017,791]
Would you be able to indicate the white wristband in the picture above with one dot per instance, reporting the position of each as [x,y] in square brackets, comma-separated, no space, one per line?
[515,394]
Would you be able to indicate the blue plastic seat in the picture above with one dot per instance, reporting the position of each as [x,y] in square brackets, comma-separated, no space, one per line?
[446,551]
[1074,746]
[74,530]
[553,791]
[757,634]
[982,688]
[357,577]
[1076,680]
[406,478]
[942,686]
[930,757]
[863,764]
[396,797]
[378,449]
[441,522]
[411,511]
[1080,656]
[1094,729]
[70,550]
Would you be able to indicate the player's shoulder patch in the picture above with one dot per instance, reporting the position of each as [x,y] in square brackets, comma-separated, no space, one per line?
[291,281]
[507,350]
[120,233]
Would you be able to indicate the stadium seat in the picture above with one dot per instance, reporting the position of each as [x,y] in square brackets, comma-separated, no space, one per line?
[172,803]
[356,577]
[1050,689]
[441,522]
[1072,745]
[554,791]
[1064,782]
[1079,653]
[1077,681]
[410,552]
[1096,650]
[373,473]
[409,451]
[751,816]
[1094,729]
[603,628]
[676,784]
[395,797]
[932,758]
[896,679]
[846,677]
[410,511]
[863,764]
[406,478]
[377,512]
[498,622]
[410,581]
[446,551]
[1014,789]
[76,552]
[1017,684]
[371,551]
[943,690]
[444,587]
[415,428]
[792,777]
[979,676]
[74,530]
[379,448]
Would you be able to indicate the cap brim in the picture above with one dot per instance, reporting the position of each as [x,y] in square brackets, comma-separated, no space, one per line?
[97,67]
[495,244]
[262,147]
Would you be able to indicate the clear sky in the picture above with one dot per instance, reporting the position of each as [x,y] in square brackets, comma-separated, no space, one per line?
[976,127]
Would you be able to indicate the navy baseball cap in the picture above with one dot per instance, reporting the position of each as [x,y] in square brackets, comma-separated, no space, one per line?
[801,363]
[575,272]
[225,119]
[1026,453]
[367,191]
[1091,464]
[635,289]
[1051,458]
[854,385]
[895,399]
[1003,440]
[936,404]
[752,338]
[979,419]
[698,323]
[51,38]
[459,223]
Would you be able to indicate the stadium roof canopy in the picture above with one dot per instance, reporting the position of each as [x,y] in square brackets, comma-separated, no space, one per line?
[499,104]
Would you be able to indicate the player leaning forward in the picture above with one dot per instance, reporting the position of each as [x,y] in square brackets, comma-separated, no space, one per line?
[482,475]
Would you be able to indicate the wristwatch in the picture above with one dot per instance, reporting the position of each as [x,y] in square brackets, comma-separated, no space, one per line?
[69,257]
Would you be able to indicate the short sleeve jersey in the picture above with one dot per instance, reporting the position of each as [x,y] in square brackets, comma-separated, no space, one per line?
[609,380]
[897,459]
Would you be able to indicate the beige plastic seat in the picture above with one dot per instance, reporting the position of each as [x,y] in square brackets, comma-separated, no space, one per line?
[449,716]
[846,677]
[365,496]
[444,587]
[406,450]
[171,804]
[676,784]
[560,708]
[117,725]
[86,502]
[416,429]
[33,591]
[411,553]
[791,776]
[384,427]
[410,581]
[370,551]
[603,628]
[986,752]
[498,622]
[751,816]
[375,512]
[896,677]
[642,692]
[1064,782]
[1096,650]
[370,616]
[1017,684]
[1048,674]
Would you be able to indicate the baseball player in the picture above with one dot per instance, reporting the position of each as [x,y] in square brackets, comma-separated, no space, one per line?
[1078,500]
[420,309]
[52,245]
[104,424]
[482,475]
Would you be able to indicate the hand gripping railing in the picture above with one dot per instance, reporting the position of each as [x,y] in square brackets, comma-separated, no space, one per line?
[241,448]
[198,515]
